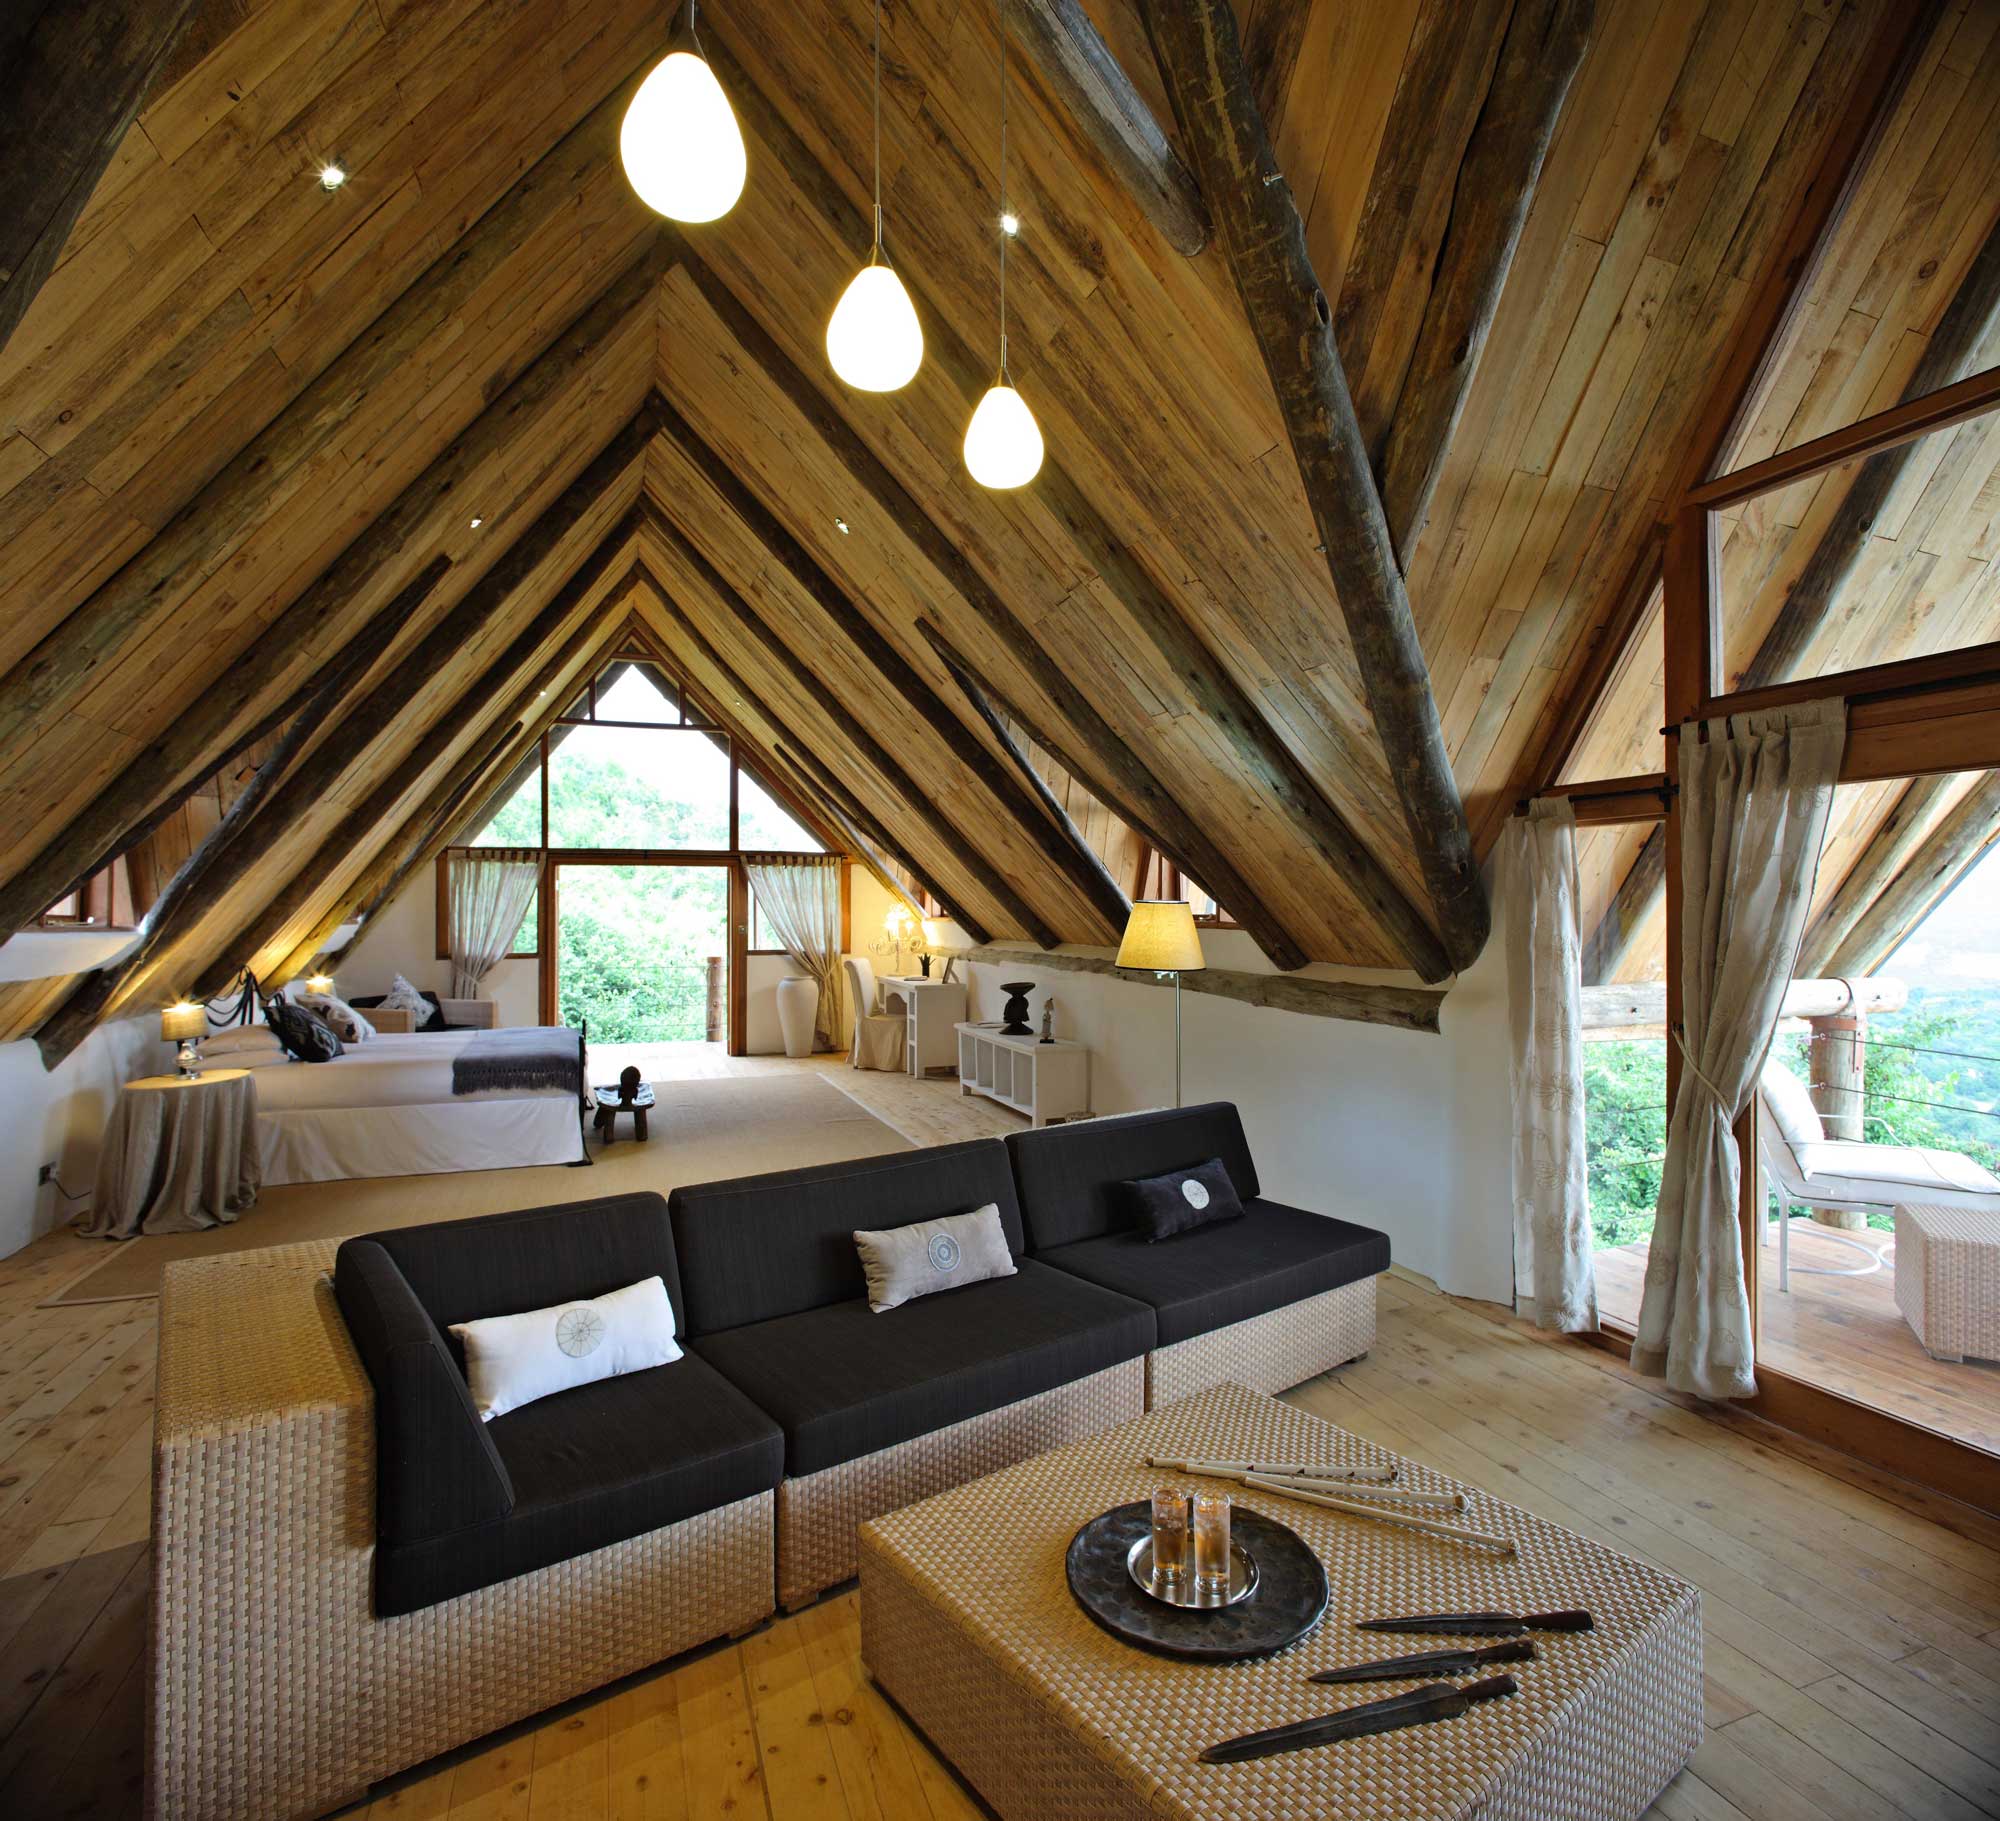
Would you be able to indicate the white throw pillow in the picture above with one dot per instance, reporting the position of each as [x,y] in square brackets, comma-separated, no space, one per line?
[243,1040]
[511,1360]
[403,997]
[346,1021]
[905,1262]
[1791,1106]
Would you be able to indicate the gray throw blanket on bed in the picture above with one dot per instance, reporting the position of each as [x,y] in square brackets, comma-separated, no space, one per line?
[519,1061]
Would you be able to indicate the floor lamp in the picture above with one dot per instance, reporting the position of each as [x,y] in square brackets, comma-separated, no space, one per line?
[1160,937]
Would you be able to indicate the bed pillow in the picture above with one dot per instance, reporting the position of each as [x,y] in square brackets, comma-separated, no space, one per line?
[425,1009]
[1181,1200]
[243,1040]
[306,1037]
[511,1360]
[346,1021]
[902,1263]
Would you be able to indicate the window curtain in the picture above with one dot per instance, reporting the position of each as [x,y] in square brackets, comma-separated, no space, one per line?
[491,890]
[800,899]
[1554,1285]
[1755,793]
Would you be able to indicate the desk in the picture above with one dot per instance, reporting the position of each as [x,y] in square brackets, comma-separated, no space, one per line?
[933,1010]
[180,1154]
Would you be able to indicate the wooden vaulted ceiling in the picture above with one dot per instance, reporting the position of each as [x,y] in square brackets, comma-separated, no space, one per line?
[243,418]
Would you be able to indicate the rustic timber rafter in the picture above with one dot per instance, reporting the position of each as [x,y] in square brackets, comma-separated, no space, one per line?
[1890,848]
[1076,63]
[1954,845]
[73,74]
[1222,700]
[1263,235]
[887,662]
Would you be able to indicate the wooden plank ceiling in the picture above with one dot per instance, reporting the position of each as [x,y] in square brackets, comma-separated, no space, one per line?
[244,414]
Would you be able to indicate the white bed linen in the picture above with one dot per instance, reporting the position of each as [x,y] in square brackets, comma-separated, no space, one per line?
[337,1144]
[393,1070]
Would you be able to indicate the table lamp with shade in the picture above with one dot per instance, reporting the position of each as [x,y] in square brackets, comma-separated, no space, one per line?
[1160,937]
[186,1025]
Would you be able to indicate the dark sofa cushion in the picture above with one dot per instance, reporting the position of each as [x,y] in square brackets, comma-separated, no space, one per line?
[1069,1176]
[759,1247]
[594,1466]
[1199,1281]
[503,1264]
[1182,1200]
[843,1381]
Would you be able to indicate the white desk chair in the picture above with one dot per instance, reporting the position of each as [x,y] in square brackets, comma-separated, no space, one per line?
[878,1034]
[1812,1170]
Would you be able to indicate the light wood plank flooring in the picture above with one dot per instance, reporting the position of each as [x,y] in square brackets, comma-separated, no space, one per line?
[1853,1623]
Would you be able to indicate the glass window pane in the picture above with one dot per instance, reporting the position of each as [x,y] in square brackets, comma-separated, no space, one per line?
[517,822]
[1624,937]
[635,696]
[763,822]
[1886,557]
[634,948]
[632,787]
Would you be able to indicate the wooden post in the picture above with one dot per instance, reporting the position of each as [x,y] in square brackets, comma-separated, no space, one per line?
[1076,64]
[1260,229]
[1836,1059]
[73,74]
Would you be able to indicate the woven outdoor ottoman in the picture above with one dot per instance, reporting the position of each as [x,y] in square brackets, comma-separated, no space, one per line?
[967,1623]
[1948,1280]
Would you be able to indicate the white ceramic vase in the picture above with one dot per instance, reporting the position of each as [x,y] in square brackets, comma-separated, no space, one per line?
[798,1008]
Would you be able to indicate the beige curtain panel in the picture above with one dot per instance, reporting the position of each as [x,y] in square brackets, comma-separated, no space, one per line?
[1554,1284]
[491,889]
[1755,793]
[800,899]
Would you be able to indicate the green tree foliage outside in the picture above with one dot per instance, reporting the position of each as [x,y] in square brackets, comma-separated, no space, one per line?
[635,947]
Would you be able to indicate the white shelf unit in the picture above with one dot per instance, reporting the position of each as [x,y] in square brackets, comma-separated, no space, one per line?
[933,1009]
[1043,1080]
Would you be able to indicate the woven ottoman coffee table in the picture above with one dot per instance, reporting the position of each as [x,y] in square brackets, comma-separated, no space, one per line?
[967,1623]
[1948,1280]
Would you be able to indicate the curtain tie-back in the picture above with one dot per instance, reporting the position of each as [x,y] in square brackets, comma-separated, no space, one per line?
[1694,1069]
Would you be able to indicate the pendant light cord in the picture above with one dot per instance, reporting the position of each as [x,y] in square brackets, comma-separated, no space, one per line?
[694,32]
[1003,189]
[878,129]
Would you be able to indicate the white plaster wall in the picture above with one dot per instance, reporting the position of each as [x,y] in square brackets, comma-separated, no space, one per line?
[58,1116]
[404,941]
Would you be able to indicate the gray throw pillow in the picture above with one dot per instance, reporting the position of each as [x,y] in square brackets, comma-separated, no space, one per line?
[905,1262]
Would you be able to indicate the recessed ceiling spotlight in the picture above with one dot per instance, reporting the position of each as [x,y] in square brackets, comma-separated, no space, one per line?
[476,523]
[841,525]
[332,175]
[1010,223]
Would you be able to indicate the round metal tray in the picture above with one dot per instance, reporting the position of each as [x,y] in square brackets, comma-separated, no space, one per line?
[1185,1593]
[1287,1602]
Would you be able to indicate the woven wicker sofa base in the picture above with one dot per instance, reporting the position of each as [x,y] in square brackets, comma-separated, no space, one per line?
[818,1515]
[273,1689]
[1270,1352]
[968,1625]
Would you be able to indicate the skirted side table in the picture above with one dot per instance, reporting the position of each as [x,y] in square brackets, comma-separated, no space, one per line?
[179,1155]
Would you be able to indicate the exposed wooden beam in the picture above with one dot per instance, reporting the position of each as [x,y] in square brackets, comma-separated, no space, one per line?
[851,814]
[1404,1008]
[72,76]
[1261,231]
[1158,817]
[202,534]
[1954,846]
[887,661]
[1888,851]
[1542,51]
[1272,38]
[1643,1005]
[1953,347]
[916,799]
[1222,700]
[1635,900]
[1081,71]
[1133,782]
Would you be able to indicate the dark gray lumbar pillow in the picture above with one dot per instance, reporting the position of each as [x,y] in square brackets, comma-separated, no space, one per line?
[905,1262]
[1181,1200]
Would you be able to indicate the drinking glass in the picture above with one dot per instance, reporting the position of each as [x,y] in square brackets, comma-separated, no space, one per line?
[1170,1535]
[1211,1542]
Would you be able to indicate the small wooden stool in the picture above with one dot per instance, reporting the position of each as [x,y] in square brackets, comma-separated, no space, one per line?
[631,1095]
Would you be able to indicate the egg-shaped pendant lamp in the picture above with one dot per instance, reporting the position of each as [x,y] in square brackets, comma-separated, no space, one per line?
[874,341]
[680,144]
[1003,443]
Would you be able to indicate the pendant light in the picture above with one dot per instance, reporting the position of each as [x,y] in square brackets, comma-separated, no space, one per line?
[874,341]
[680,144]
[1003,443]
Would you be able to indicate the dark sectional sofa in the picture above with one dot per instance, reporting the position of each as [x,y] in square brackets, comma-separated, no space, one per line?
[624,1521]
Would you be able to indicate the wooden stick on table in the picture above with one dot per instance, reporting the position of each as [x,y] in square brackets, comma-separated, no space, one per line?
[1382,1515]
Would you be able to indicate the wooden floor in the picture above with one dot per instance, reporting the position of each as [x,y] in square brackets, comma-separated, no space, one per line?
[1842,1333]
[1853,1623]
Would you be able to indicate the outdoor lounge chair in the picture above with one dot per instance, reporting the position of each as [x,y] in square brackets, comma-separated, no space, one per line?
[1810,1170]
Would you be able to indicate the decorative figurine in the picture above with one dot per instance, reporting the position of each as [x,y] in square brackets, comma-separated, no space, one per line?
[1049,1019]
[924,962]
[1017,1024]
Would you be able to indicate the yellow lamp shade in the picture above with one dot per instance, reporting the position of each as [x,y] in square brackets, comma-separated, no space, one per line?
[1003,443]
[680,144]
[874,341]
[183,1023]
[1160,935]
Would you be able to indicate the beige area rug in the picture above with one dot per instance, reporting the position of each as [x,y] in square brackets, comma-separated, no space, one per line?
[701,1131]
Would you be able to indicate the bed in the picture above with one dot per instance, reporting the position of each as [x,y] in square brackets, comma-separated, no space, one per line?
[388,1107]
